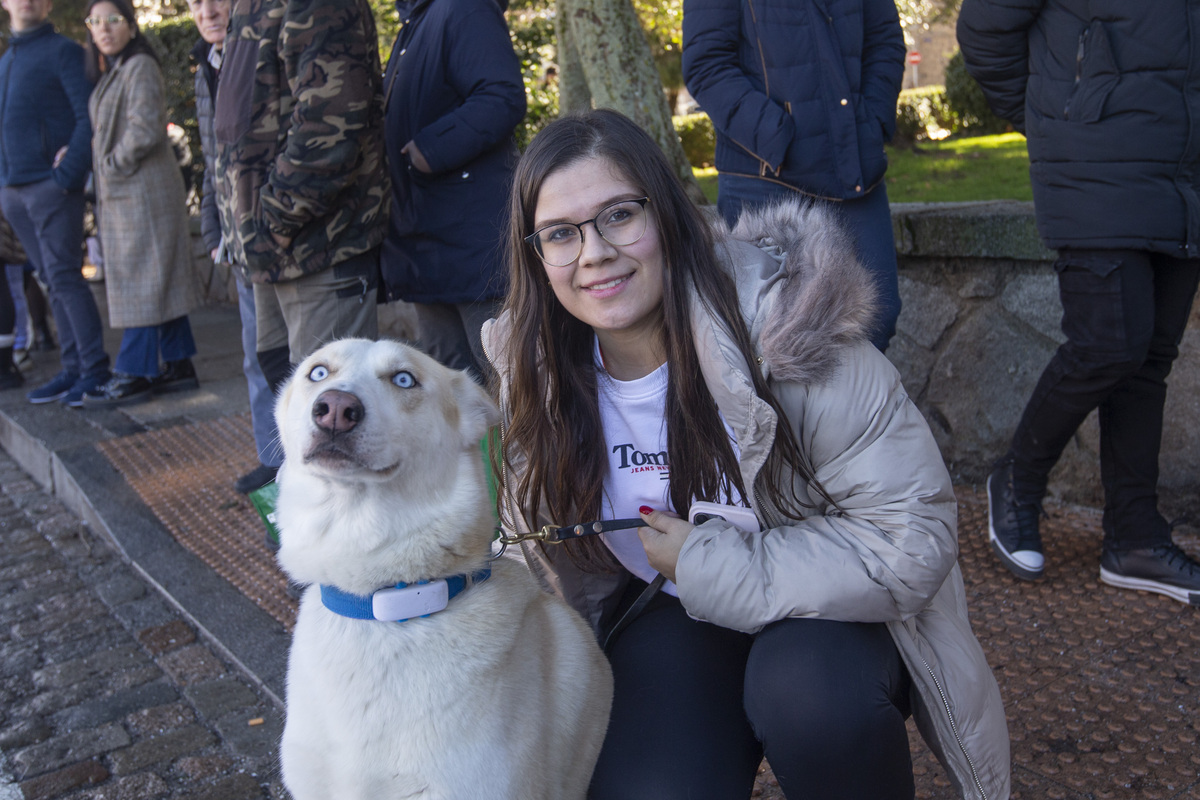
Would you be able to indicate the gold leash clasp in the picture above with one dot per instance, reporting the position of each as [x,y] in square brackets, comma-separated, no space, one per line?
[547,534]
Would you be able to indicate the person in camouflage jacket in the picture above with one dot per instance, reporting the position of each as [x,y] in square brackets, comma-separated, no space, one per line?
[301,180]
[299,129]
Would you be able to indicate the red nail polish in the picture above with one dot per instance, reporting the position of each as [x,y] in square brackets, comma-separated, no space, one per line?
[646,510]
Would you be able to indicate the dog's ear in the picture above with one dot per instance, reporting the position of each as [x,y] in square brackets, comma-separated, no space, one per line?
[477,411]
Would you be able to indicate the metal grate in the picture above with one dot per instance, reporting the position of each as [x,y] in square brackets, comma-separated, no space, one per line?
[185,475]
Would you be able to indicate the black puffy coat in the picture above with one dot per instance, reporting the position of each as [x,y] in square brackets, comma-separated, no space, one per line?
[453,86]
[800,92]
[1108,94]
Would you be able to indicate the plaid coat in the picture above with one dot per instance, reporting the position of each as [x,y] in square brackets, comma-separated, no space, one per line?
[139,190]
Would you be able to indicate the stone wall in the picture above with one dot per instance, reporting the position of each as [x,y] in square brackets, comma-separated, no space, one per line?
[981,320]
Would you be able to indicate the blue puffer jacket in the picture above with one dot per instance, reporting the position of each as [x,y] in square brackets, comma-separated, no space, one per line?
[801,92]
[453,86]
[43,107]
[1108,94]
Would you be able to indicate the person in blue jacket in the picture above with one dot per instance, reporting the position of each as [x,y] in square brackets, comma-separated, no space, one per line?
[802,96]
[454,95]
[1107,94]
[45,157]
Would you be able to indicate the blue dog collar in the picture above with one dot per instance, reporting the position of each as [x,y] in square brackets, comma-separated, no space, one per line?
[403,601]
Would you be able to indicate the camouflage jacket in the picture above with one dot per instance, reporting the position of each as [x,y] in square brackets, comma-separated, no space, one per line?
[299,134]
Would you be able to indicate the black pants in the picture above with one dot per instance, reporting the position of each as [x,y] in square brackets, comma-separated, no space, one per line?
[696,706]
[1124,314]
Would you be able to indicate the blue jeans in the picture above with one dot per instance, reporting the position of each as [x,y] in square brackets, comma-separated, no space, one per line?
[140,347]
[1124,314]
[262,400]
[49,223]
[867,219]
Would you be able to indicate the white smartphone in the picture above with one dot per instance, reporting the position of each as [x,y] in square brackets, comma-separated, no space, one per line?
[737,516]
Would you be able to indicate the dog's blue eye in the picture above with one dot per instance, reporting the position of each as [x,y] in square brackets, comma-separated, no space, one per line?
[404,379]
[318,373]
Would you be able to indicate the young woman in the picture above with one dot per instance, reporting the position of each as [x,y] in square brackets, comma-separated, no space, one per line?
[148,271]
[645,362]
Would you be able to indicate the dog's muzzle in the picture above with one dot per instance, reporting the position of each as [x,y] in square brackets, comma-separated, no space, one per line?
[337,412]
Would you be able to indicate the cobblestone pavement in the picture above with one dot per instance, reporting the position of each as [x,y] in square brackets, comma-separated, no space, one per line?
[105,691]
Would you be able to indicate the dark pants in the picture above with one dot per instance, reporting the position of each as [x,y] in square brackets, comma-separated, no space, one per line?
[867,219]
[8,318]
[696,706]
[140,347]
[450,332]
[49,223]
[1124,314]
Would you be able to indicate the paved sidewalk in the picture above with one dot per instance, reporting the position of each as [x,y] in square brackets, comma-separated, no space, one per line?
[136,647]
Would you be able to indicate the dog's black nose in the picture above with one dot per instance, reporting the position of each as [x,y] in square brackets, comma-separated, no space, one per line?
[337,412]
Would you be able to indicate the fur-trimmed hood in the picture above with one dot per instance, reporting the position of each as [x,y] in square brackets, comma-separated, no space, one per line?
[803,292]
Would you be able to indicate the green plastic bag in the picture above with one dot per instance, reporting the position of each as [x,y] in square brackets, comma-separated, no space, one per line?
[264,499]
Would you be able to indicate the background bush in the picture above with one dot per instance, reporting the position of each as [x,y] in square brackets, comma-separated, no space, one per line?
[921,112]
[698,137]
[967,103]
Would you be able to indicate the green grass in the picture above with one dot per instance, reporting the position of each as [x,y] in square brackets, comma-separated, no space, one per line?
[955,170]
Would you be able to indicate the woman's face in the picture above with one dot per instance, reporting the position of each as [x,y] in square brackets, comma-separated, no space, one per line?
[613,289]
[110,37]
[211,18]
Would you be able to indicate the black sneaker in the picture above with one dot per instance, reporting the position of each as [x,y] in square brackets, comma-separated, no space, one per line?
[118,391]
[177,376]
[256,478]
[1012,527]
[1165,569]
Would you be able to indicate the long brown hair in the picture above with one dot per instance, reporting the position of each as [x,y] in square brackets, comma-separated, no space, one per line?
[554,443]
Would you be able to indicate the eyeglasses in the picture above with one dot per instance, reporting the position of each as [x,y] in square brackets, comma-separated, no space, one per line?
[112,20]
[621,223]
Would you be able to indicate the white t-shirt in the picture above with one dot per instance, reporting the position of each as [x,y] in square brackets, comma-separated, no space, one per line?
[633,415]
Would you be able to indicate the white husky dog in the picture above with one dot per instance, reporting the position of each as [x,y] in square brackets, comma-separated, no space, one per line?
[491,688]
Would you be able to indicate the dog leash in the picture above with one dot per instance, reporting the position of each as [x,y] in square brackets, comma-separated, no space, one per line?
[557,535]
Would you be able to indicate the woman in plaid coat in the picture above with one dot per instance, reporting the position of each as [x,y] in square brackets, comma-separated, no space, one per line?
[141,211]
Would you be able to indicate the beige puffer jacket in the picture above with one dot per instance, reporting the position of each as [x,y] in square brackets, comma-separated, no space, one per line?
[888,552]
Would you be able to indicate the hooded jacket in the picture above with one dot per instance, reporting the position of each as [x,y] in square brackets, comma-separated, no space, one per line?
[887,552]
[1108,94]
[454,87]
[299,135]
[43,107]
[801,93]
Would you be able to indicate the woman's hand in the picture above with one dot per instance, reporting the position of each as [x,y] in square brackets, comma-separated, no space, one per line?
[664,539]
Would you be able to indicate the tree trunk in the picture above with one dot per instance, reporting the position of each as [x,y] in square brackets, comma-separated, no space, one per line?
[573,91]
[619,70]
